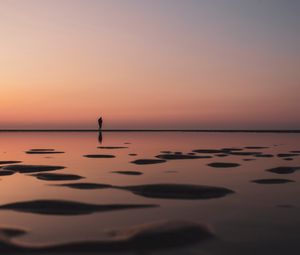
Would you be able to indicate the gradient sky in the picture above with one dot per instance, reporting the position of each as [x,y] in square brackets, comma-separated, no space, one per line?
[150,64]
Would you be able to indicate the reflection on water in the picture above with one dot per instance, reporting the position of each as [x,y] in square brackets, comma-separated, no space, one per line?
[100,138]
[237,184]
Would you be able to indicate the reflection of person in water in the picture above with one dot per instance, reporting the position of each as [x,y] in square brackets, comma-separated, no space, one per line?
[100,123]
[100,137]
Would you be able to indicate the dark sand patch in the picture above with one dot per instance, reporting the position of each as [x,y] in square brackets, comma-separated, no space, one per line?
[179,156]
[9,162]
[127,143]
[288,159]
[256,147]
[44,152]
[57,177]
[295,151]
[128,172]
[178,191]
[222,155]
[11,232]
[163,234]
[166,191]
[141,238]
[223,164]
[99,156]
[111,147]
[166,152]
[231,149]
[85,185]
[283,170]
[249,159]
[287,155]
[132,154]
[6,172]
[61,207]
[191,153]
[32,168]
[264,156]
[6,234]
[272,181]
[244,153]
[208,151]
[148,161]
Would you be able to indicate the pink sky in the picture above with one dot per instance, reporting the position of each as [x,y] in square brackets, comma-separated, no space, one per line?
[169,64]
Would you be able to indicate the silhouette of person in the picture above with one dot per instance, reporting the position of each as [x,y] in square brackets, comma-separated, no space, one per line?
[100,121]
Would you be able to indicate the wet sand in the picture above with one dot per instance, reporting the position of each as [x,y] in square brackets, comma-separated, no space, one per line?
[162,193]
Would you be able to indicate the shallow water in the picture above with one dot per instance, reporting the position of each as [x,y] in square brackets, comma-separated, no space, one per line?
[258,218]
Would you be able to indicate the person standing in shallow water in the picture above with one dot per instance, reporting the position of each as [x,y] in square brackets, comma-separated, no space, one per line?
[100,121]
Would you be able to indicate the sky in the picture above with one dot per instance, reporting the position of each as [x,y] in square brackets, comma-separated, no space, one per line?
[159,64]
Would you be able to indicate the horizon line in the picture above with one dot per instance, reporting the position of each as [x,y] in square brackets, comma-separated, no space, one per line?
[159,130]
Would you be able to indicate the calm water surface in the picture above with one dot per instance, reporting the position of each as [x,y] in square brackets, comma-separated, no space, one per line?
[256,219]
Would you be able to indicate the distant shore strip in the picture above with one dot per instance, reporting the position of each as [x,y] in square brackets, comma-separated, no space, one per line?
[156,130]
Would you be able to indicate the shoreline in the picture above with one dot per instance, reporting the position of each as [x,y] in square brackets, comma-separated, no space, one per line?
[153,130]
